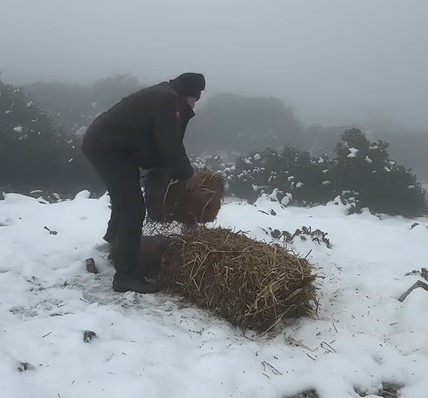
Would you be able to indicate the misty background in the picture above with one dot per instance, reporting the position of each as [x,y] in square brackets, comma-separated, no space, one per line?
[295,72]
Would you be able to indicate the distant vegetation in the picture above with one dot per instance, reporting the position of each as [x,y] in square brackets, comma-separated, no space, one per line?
[360,175]
[41,125]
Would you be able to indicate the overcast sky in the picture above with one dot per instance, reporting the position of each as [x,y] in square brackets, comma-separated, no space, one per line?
[334,61]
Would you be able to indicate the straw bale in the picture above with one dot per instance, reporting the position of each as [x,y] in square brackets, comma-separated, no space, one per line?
[167,202]
[249,283]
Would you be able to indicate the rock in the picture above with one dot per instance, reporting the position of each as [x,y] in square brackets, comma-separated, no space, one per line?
[88,336]
[90,266]
[24,366]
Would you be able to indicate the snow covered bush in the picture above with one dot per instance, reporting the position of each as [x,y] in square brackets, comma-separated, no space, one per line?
[287,175]
[361,175]
[382,185]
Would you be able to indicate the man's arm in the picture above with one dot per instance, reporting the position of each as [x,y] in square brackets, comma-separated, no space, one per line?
[169,139]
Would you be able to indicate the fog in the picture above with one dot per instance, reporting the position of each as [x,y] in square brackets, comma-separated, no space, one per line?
[335,62]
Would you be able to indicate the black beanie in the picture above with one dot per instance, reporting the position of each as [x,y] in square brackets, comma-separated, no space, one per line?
[189,84]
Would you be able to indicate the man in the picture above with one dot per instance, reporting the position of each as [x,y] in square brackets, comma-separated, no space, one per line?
[144,130]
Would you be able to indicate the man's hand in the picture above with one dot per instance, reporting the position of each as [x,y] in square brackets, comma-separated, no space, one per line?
[190,184]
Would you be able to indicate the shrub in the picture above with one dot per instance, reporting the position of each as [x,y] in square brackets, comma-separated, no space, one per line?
[33,153]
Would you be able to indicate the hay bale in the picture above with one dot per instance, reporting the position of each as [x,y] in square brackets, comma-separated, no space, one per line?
[167,202]
[250,284]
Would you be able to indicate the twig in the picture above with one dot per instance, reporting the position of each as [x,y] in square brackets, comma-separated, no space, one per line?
[274,370]
[309,252]
[417,284]
[327,347]
[298,343]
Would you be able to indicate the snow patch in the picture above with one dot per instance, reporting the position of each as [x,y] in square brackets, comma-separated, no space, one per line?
[352,152]
[152,345]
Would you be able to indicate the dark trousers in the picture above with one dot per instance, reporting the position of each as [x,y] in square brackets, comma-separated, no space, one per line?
[121,177]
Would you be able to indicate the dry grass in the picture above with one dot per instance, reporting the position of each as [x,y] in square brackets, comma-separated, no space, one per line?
[251,284]
[168,202]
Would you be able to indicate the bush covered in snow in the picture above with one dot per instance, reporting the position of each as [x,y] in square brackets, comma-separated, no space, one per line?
[382,185]
[361,175]
[33,153]
[287,175]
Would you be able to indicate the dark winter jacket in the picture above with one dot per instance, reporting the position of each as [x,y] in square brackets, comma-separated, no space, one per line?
[147,127]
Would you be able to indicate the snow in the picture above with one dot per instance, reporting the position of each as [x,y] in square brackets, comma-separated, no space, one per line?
[18,129]
[154,346]
[299,184]
[352,152]
[288,197]
[257,156]
[274,195]
[368,160]
[326,182]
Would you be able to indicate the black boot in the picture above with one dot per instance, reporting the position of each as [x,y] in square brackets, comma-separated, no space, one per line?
[132,283]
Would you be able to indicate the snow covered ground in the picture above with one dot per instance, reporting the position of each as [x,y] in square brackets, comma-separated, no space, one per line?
[154,346]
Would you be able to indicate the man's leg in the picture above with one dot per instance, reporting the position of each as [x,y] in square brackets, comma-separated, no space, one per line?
[121,177]
[129,211]
[113,226]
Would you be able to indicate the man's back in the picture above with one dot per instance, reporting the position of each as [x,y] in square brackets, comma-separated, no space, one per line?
[132,124]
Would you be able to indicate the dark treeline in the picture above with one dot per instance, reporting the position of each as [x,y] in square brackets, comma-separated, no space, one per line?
[73,106]
[224,123]
[41,125]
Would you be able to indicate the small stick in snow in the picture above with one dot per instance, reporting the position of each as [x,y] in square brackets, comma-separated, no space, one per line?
[50,231]
[46,335]
[297,343]
[415,224]
[417,284]
[264,212]
[327,347]
[310,251]
[274,370]
[311,357]
[423,273]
